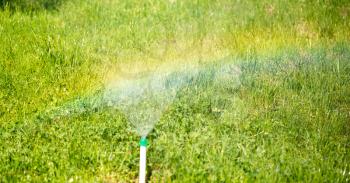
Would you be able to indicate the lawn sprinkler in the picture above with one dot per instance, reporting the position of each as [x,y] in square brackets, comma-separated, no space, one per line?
[143,99]
[143,151]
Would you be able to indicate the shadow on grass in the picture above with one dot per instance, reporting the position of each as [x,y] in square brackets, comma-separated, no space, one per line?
[30,6]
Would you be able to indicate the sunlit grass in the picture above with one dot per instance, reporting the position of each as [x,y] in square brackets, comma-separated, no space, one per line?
[288,121]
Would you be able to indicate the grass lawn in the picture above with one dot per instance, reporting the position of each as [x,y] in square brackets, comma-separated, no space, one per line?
[288,120]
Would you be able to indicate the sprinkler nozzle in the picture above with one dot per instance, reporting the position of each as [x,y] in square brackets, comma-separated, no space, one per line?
[143,141]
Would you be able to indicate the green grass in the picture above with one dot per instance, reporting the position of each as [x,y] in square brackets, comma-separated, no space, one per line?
[289,120]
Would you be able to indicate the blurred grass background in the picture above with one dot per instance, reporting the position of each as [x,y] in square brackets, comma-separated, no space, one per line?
[289,121]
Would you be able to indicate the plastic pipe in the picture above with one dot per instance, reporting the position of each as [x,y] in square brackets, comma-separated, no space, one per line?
[143,150]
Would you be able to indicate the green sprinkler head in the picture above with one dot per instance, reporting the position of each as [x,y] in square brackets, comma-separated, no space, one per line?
[143,141]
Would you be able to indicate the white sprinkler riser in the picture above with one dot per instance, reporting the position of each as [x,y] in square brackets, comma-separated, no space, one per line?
[142,176]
